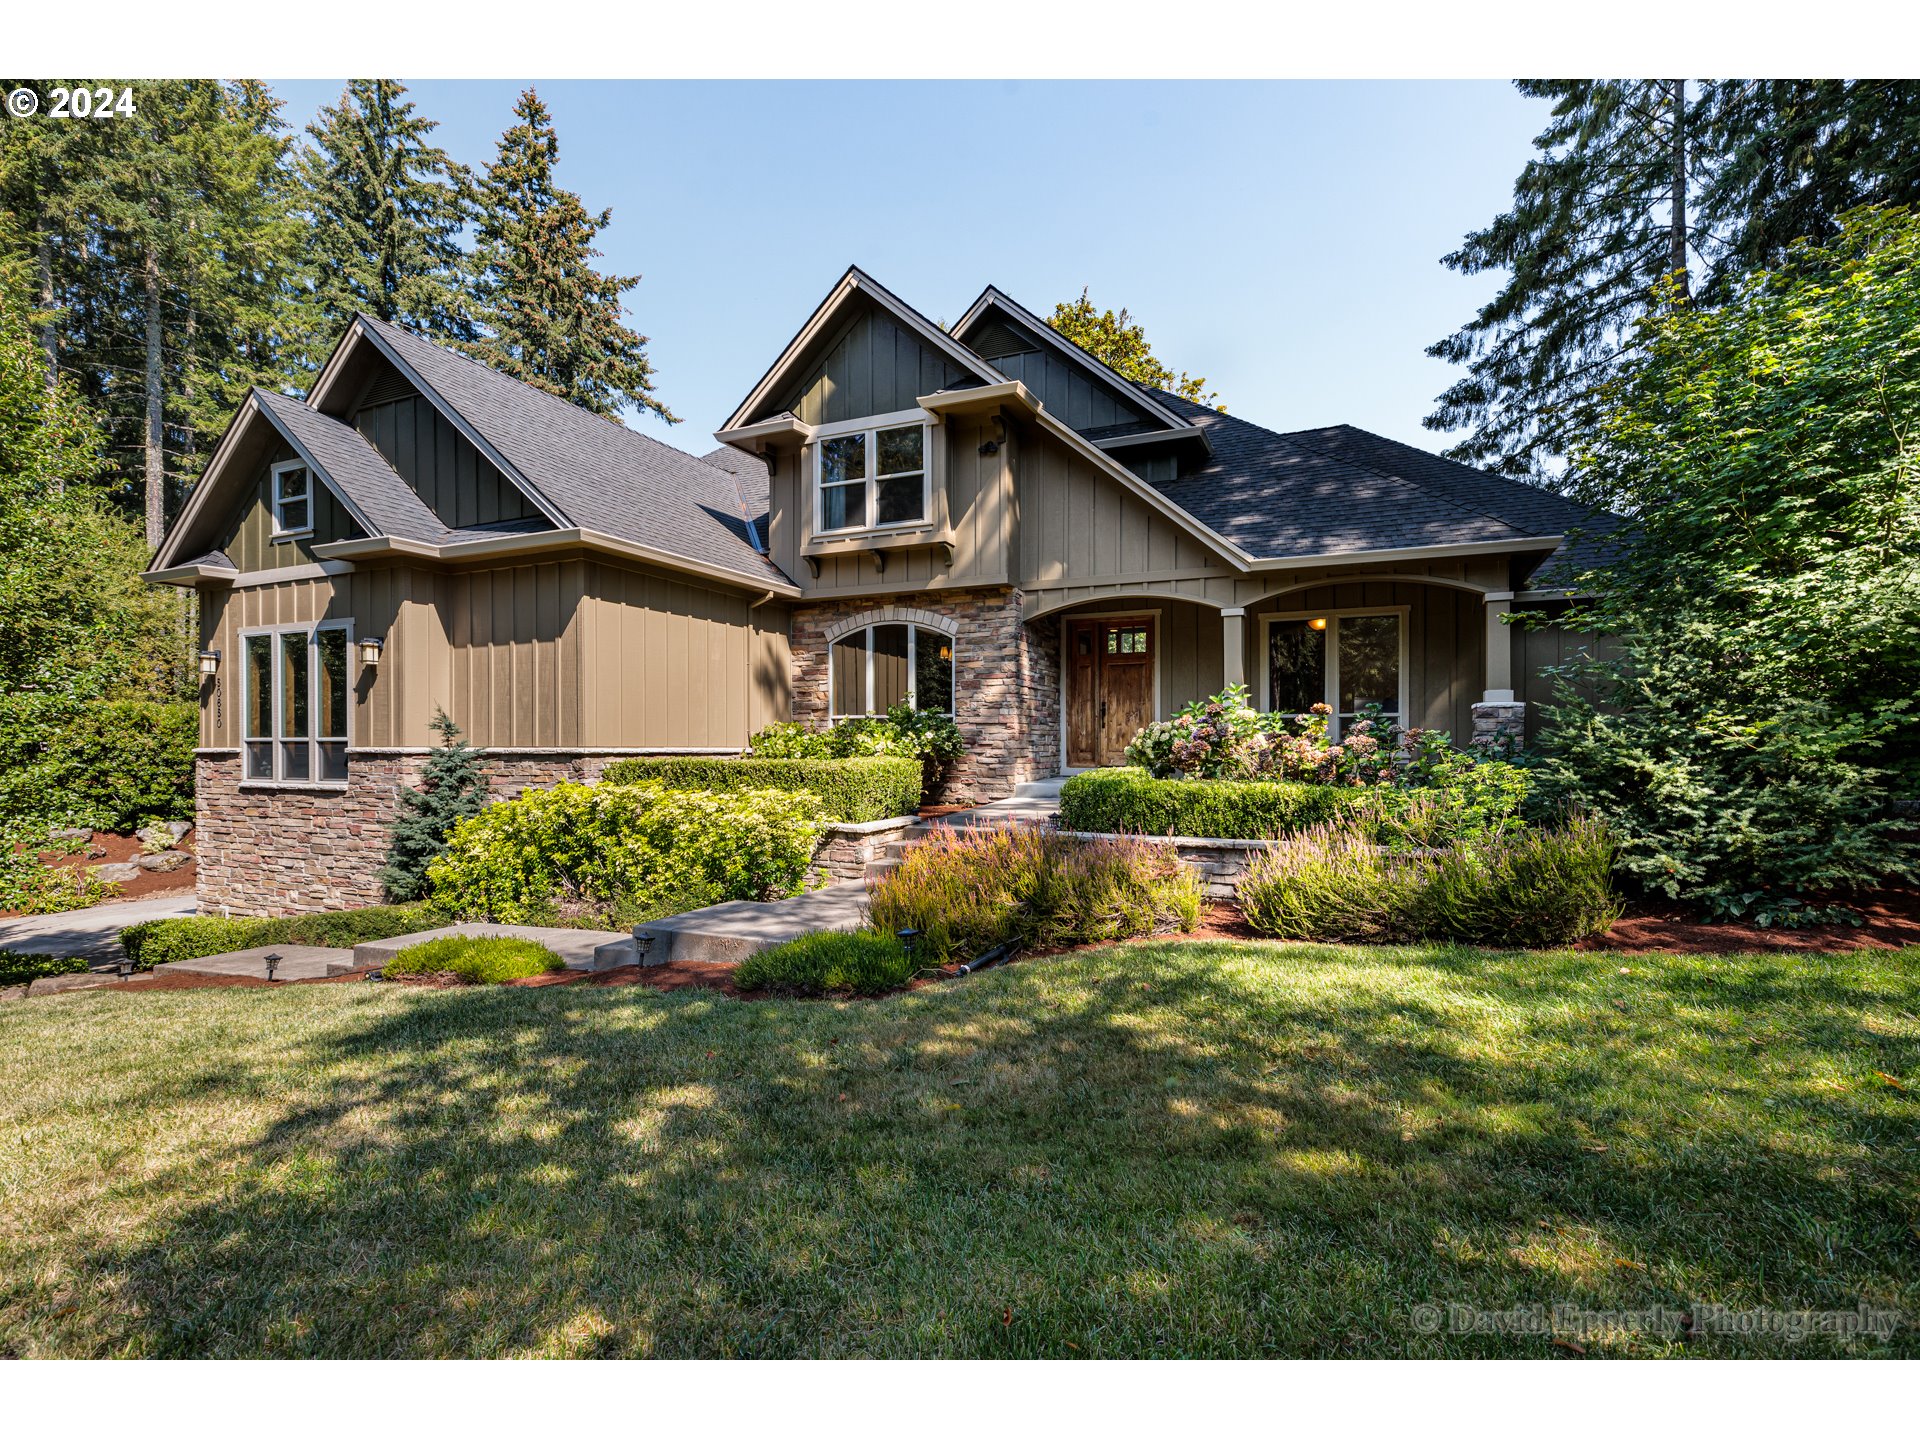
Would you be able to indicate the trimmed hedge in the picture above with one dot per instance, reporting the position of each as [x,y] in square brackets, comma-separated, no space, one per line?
[1129,801]
[159,942]
[19,968]
[851,791]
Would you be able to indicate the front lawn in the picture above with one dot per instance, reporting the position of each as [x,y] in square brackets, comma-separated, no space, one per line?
[1163,1148]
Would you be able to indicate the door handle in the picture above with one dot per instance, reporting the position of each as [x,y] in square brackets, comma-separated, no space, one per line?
[1103,712]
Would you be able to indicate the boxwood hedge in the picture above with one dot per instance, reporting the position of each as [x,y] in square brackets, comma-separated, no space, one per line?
[1129,800]
[188,937]
[852,791]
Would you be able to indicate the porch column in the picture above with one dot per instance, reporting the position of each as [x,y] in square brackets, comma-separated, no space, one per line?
[1499,720]
[1233,643]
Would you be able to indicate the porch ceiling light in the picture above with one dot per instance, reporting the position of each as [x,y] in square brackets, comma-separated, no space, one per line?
[209,662]
[370,649]
[1319,622]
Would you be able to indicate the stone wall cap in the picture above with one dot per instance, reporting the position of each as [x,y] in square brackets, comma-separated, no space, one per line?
[870,827]
[1179,842]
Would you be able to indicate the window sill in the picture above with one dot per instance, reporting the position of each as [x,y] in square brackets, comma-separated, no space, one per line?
[280,537]
[879,544]
[324,787]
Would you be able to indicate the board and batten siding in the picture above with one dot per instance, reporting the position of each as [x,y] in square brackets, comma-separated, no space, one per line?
[676,664]
[506,662]
[459,484]
[1555,644]
[870,365]
[1068,392]
[249,529]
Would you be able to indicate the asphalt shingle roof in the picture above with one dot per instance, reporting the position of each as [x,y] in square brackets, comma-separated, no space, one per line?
[597,473]
[358,470]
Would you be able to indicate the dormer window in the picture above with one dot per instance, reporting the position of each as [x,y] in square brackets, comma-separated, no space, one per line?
[871,478]
[292,500]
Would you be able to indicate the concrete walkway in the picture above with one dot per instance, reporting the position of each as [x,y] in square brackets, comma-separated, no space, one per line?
[1034,803]
[92,934]
[580,949]
[733,930]
[297,962]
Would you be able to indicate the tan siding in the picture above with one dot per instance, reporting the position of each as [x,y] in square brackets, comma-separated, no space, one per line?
[868,366]
[1073,397]
[1535,649]
[454,479]
[247,538]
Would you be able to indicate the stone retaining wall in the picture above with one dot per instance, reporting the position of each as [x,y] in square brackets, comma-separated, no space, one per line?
[1221,863]
[847,850]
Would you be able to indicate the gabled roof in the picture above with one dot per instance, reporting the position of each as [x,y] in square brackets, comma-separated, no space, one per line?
[857,282]
[1340,491]
[353,469]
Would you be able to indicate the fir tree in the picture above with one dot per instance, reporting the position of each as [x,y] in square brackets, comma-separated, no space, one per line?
[453,787]
[1120,343]
[551,318]
[386,207]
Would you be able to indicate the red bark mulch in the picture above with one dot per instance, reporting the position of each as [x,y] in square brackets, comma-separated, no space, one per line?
[120,850]
[1890,921]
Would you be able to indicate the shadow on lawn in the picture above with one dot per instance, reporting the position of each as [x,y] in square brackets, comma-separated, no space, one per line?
[1140,1153]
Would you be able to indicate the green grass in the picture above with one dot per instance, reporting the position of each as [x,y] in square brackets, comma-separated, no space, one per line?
[488,960]
[829,962]
[1161,1148]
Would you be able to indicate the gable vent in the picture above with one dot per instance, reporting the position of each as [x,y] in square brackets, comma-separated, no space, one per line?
[1000,339]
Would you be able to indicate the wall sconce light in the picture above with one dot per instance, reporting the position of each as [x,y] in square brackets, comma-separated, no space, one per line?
[370,651]
[1317,623]
[946,652]
[209,662]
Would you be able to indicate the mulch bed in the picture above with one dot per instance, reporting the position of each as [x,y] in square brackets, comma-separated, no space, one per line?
[121,850]
[1890,921]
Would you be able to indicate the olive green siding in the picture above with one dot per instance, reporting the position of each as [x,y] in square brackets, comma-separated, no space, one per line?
[869,365]
[507,658]
[247,538]
[459,484]
[1066,389]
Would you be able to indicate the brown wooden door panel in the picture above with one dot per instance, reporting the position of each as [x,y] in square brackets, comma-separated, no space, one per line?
[1083,692]
[1110,669]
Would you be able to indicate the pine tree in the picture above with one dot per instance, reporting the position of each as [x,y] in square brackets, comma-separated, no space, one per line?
[1599,219]
[1120,343]
[550,317]
[453,786]
[386,209]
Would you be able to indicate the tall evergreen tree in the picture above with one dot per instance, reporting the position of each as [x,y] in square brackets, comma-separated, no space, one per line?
[1599,219]
[550,317]
[386,207]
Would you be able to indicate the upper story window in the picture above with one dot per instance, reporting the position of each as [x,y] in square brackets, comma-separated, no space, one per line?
[871,478]
[292,499]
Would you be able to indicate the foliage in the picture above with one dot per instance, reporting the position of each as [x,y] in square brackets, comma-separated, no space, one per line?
[17,967]
[189,937]
[852,791]
[1123,801]
[524,860]
[477,960]
[928,735]
[1745,739]
[30,886]
[1544,886]
[453,786]
[967,891]
[829,962]
[552,319]
[1120,343]
[112,765]
[786,740]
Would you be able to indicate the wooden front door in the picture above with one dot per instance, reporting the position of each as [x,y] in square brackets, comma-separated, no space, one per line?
[1110,663]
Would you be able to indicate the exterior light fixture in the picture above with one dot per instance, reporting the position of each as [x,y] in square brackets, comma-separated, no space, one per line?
[209,662]
[124,969]
[908,940]
[1319,622]
[370,649]
[273,964]
[642,943]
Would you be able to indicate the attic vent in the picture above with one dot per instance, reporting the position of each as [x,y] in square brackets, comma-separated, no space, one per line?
[387,384]
[999,339]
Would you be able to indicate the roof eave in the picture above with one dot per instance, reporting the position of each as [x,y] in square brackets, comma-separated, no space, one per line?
[755,438]
[543,541]
[188,577]
[1413,552]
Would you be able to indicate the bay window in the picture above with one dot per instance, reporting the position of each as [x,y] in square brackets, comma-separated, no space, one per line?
[872,478]
[1347,662]
[879,666]
[295,703]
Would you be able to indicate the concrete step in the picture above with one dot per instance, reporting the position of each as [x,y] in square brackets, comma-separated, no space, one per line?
[580,949]
[732,931]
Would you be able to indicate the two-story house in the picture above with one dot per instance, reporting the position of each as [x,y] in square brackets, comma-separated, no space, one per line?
[984,520]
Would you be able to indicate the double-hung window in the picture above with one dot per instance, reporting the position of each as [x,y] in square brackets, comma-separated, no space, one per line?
[296,703]
[292,499]
[869,479]
[1348,663]
[879,666]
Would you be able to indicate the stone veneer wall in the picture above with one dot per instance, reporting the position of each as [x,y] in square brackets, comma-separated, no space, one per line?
[267,849]
[1006,680]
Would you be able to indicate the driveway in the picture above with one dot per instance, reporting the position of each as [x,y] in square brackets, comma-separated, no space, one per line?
[93,934]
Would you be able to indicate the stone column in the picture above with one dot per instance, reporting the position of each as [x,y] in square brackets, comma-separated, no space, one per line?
[1499,719]
[1233,642]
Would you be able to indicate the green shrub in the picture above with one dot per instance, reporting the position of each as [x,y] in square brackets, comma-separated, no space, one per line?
[967,891]
[478,960]
[1129,801]
[188,937]
[829,962]
[110,765]
[19,968]
[847,790]
[1532,888]
[785,740]
[30,886]
[452,786]
[526,860]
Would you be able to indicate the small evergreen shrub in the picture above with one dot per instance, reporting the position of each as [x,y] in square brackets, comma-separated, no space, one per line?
[1129,801]
[785,740]
[967,891]
[829,962]
[482,960]
[527,860]
[853,790]
[17,967]
[189,937]
[453,786]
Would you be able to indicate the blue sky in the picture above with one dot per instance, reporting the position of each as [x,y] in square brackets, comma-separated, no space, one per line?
[1281,238]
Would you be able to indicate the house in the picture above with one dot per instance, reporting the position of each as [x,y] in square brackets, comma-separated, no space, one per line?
[984,520]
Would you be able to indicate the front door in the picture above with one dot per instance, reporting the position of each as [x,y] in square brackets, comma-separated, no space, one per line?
[1110,663]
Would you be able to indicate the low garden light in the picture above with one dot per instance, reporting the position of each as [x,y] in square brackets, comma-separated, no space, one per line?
[908,940]
[124,969]
[370,649]
[642,943]
[273,964]
[209,663]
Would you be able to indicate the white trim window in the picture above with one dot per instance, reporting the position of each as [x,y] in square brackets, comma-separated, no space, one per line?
[876,667]
[1346,660]
[872,475]
[296,702]
[292,486]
